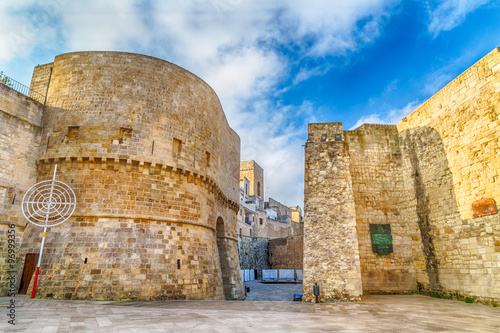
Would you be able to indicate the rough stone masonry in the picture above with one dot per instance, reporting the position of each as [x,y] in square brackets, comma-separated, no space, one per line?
[432,182]
[148,151]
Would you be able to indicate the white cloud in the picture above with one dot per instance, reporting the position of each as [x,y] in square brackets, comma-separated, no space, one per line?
[240,47]
[305,73]
[436,80]
[26,25]
[274,140]
[450,13]
[393,116]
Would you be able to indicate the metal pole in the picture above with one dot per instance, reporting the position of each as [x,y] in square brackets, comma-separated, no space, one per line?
[44,232]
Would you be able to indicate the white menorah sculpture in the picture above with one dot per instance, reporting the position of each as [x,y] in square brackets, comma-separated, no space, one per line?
[47,204]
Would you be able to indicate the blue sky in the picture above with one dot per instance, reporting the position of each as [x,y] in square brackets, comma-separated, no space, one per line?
[276,65]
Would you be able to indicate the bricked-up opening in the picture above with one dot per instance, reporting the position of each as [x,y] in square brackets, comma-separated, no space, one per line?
[207,156]
[73,132]
[176,147]
[125,135]
[223,258]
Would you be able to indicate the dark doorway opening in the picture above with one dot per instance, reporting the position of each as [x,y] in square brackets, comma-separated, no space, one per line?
[223,259]
[29,268]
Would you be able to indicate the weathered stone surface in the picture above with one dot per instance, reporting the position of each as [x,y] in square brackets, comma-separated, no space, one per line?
[20,135]
[484,207]
[450,147]
[331,250]
[155,167]
[286,252]
[421,176]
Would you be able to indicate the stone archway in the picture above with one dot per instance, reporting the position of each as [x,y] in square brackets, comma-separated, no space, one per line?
[224,259]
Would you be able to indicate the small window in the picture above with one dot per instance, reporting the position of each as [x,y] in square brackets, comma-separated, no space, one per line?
[250,233]
[176,147]
[73,132]
[323,137]
[258,189]
[260,221]
[125,135]
[338,137]
[207,156]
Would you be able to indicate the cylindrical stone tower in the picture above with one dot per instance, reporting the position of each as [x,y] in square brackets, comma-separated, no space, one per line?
[148,151]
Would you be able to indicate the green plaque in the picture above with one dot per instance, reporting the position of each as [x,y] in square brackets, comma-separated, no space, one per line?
[381,238]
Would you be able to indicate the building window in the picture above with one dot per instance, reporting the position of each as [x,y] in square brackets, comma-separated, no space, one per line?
[207,156]
[338,137]
[73,132]
[250,233]
[258,189]
[176,147]
[125,135]
[260,221]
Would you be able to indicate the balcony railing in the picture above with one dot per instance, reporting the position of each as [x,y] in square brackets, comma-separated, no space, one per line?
[21,88]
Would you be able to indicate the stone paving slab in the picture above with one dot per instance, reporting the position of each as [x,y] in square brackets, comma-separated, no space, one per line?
[396,313]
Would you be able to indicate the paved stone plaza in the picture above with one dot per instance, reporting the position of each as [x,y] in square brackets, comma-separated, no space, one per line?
[395,313]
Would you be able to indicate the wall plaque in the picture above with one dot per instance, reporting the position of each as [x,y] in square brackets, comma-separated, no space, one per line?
[381,238]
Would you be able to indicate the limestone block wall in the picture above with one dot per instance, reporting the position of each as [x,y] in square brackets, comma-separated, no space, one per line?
[331,250]
[274,229]
[286,252]
[155,167]
[451,151]
[20,134]
[380,188]
[40,80]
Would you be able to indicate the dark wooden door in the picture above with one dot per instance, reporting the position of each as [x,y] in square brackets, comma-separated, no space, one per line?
[29,268]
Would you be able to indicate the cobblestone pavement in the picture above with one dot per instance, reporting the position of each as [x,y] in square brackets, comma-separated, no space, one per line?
[398,313]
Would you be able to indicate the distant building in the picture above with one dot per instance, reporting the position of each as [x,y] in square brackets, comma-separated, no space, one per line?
[296,214]
[260,221]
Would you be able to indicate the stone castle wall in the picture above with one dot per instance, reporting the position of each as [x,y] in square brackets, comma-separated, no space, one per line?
[20,134]
[254,251]
[155,167]
[451,149]
[331,250]
[433,178]
[379,186]
[286,252]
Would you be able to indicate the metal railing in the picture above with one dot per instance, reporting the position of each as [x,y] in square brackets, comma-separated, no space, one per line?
[21,88]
